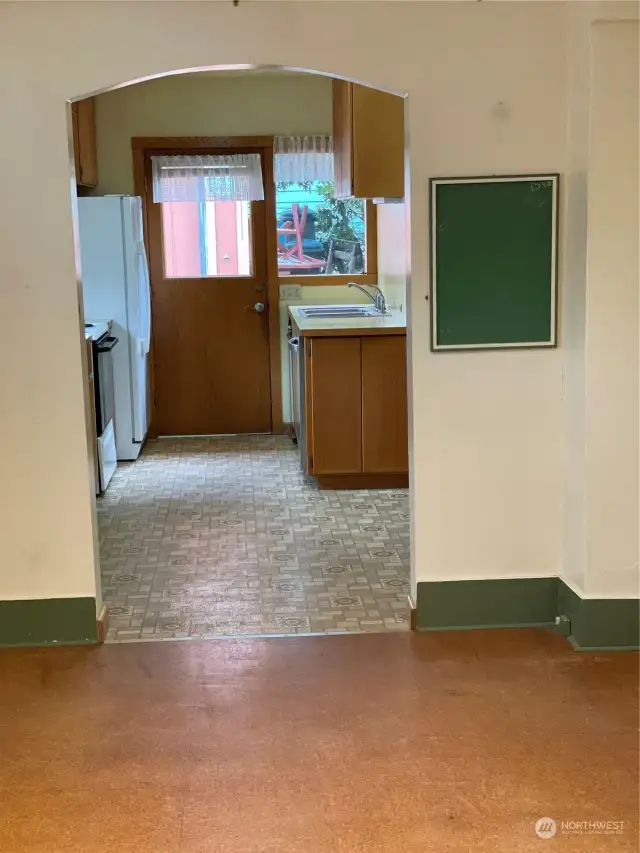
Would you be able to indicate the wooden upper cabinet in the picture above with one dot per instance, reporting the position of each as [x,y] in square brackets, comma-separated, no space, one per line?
[368,142]
[84,142]
[342,139]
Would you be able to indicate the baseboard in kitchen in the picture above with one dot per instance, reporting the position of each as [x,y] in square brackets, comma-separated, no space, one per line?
[364,481]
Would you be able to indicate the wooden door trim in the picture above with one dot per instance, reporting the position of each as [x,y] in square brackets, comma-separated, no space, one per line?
[76,141]
[142,147]
[273,290]
[307,344]
[139,189]
[168,143]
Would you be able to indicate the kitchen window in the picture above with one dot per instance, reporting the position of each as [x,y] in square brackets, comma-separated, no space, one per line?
[318,236]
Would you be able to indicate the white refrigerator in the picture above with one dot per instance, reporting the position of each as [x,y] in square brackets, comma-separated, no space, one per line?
[115,286]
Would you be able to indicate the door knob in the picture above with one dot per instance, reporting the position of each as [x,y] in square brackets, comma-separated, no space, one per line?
[259,307]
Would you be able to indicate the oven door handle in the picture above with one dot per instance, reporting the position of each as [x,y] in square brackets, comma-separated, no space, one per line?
[106,344]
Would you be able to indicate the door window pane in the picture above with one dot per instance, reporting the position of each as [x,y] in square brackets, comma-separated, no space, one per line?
[318,234]
[204,239]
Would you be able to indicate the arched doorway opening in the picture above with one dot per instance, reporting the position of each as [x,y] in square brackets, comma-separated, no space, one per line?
[166,542]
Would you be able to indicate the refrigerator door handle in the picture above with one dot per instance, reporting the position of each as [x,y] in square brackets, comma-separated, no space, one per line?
[145,326]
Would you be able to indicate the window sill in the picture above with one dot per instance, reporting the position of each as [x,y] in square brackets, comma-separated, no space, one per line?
[327,280]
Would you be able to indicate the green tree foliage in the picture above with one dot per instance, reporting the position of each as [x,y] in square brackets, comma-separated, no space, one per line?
[338,219]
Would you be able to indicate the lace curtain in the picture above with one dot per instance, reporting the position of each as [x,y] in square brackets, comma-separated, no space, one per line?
[207,177]
[303,158]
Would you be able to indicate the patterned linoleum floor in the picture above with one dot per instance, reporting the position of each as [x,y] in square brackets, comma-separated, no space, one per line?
[225,536]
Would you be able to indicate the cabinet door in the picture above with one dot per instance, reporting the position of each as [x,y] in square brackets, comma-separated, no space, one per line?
[384,405]
[342,139]
[334,417]
[378,143]
[368,142]
[84,140]
[76,140]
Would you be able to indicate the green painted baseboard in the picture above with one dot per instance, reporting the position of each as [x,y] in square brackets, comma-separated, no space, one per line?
[47,621]
[596,623]
[522,602]
[486,603]
[600,623]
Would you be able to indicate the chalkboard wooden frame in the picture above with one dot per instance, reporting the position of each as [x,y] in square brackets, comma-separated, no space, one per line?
[553,272]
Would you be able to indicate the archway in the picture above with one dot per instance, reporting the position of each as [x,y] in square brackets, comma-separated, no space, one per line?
[398,212]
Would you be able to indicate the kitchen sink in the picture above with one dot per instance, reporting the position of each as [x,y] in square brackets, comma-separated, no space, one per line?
[323,311]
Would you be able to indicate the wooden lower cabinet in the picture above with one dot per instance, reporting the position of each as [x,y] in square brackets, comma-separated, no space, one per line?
[356,411]
[384,404]
[335,425]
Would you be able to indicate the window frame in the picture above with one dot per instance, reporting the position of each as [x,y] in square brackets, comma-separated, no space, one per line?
[254,256]
[260,220]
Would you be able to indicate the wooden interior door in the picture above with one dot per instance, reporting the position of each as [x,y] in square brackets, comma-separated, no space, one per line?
[210,331]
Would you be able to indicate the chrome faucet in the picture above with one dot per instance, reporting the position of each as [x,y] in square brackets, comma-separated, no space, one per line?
[377,298]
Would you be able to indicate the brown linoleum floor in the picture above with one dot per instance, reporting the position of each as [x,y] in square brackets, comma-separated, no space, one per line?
[372,743]
[209,537]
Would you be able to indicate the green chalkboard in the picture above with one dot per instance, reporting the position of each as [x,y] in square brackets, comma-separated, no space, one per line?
[494,262]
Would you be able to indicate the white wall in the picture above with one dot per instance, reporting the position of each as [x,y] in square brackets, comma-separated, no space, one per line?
[573,293]
[393,258]
[486,427]
[244,104]
[612,336]
[600,306]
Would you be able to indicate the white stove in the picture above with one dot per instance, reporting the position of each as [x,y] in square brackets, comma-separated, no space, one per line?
[103,342]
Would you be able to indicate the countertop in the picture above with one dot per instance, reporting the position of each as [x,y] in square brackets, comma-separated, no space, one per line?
[393,323]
